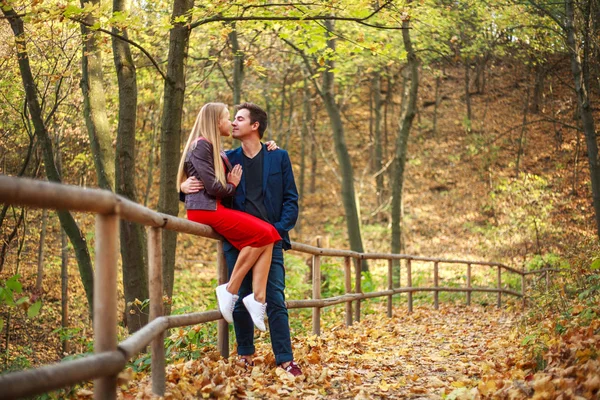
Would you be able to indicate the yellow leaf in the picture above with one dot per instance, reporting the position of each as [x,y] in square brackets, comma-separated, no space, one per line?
[85,393]
[384,386]
[487,387]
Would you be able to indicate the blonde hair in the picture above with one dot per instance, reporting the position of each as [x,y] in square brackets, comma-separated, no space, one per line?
[206,126]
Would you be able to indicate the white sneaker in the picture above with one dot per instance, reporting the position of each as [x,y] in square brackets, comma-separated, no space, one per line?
[226,302]
[257,311]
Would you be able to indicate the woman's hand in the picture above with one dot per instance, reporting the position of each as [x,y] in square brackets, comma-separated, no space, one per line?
[191,185]
[271,145]
[235,175]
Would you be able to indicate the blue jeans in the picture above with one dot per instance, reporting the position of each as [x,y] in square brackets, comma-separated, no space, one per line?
[276,309]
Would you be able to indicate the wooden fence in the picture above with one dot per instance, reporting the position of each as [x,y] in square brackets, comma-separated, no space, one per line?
[110,357]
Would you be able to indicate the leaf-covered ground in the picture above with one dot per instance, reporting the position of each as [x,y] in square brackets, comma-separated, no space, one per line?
[453,353]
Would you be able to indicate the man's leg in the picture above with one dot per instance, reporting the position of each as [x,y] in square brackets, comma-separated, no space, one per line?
[276,309]
[242,322]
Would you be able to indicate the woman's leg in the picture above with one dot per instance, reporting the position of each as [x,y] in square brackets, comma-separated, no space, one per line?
[247,258]
[259,259]
[260,274]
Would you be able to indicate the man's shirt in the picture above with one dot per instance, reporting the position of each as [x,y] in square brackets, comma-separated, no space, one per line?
[253,169]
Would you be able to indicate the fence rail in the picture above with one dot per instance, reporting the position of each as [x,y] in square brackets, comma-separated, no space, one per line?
[111,357]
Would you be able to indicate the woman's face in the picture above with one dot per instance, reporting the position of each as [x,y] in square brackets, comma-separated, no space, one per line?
[225,124]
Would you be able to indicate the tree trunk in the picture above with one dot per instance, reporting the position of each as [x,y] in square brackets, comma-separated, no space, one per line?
[94,104]
[288,132]
[132,238]
[64,269]
[305,135]
[66,219]
[170,137]
[576,164]
[150,165]
[538,89]
[64,287]
[282,108]
[346,170]
[596,43]
[386,112]
[438,81]
[313,164]
[587,119]
[378,153]
[401,146]
[313,150]
[40,266]
[21,172]
[522,139]
[467,93]
[371,122]
[5,207]
[21,240]
[480,64]
[238,65]
[11,236]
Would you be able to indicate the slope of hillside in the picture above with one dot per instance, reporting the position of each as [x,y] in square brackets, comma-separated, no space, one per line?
[462,197]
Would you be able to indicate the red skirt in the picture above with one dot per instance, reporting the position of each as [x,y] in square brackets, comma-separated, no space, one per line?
[239,228]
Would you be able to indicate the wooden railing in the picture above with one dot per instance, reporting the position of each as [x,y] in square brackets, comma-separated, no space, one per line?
[110,357]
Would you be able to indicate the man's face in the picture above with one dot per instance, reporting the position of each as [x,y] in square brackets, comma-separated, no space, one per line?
[242,127]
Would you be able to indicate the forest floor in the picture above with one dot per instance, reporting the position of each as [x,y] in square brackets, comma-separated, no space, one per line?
[451,353]
[424,354]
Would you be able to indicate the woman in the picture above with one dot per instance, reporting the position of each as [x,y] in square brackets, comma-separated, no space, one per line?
[204,159]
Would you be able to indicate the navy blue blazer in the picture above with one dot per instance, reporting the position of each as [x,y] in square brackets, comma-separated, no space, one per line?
[279,190]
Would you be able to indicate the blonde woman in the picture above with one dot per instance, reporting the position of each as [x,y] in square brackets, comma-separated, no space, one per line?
[204,159]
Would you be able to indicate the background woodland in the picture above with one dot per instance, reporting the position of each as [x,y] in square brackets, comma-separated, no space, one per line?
[449,129]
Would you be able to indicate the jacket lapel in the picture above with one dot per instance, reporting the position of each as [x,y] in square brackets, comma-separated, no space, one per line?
[228,165]
[266,167]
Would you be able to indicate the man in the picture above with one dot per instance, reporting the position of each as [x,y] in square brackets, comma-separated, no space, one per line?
[267,191]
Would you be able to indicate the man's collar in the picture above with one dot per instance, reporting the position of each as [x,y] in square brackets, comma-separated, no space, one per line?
[251,150]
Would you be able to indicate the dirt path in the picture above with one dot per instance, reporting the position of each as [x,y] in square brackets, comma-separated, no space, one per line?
[427,354]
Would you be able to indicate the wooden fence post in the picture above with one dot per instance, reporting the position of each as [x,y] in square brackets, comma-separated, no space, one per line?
[409,283]
[105,298]
[222,325]
[348,288]
[436,283]
[468,284]
[316,312]
[499,302]
[155,285]
[357,286]
[390,287]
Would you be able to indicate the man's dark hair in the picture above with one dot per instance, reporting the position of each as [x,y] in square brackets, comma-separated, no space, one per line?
[257,114]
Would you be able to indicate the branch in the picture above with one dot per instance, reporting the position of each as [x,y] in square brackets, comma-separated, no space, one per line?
[546,12]
[531,123]
[560,33]
[131,42]
[224,75]
[204,78]
[444,57]
[307,64]
[340,36]
[362,21]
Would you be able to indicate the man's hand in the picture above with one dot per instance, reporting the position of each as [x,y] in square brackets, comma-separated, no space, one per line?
[235,175]
[191,185]
[271,145]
